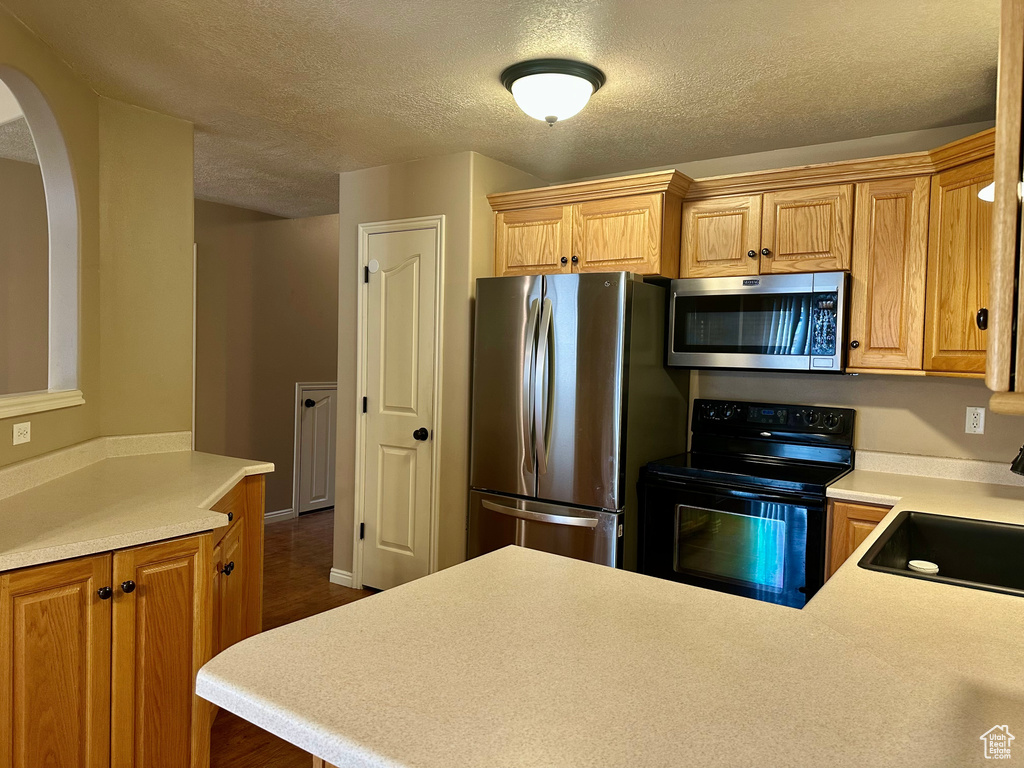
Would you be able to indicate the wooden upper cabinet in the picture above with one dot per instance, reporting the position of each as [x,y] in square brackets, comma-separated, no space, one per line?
[958,269]
[623,233]
[890,255]
[630,223]
[533,241]
[161,637]
[55,652]
[719,235]
[807,230]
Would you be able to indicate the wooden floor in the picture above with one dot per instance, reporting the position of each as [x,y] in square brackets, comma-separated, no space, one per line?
[295,585]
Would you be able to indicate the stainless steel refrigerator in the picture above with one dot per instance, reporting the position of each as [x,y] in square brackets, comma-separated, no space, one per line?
[571,397]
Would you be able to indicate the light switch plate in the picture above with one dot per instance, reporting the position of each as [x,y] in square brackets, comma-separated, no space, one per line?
[22,432]
[975,421]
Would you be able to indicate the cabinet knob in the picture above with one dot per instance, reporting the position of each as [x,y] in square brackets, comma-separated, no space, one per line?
[565,260]
[231,516]
[228,568]
[128,586]
[575,259]
[854,344]
[105,593]
[752,254]
[765,252]
[982,319]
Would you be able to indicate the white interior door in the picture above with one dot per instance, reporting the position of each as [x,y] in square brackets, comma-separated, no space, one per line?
[400,363]
[318,419]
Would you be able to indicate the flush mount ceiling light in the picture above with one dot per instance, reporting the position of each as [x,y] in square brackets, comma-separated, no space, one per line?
[552,89]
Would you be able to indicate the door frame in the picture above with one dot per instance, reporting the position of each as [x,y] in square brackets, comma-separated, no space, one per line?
[437,224]
[300,388]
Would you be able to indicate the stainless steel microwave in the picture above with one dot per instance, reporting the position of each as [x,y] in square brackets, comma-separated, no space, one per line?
[769,322]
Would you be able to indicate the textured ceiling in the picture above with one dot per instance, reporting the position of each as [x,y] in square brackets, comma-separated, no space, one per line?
[286,93]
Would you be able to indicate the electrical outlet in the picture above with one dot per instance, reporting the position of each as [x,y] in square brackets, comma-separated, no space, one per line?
[975,421]
[22,432]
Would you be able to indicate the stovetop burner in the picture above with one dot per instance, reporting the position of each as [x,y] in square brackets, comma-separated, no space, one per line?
[761,445]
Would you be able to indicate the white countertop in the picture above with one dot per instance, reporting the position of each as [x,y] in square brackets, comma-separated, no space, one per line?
[886,489]
[116,503]
[520,658]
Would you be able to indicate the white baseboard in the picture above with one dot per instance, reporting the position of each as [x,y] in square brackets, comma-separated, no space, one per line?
[340,577]
[278,515]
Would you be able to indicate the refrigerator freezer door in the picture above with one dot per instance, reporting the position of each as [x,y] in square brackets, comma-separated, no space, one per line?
[581,418]
[507,313]
[496,521]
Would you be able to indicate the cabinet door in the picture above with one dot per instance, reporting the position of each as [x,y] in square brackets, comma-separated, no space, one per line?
[620,234]
[161,636]
[890,256]
[850,525]
[719,235]
[533,241]
[807,230]
[229,593]
[958,264]
[55,652]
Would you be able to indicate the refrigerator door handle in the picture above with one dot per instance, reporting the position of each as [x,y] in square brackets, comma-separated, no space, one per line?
[529,382]
[540,517]
[542,388]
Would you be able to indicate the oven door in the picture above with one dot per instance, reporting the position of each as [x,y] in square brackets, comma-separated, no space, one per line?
[769,546]
[789,322]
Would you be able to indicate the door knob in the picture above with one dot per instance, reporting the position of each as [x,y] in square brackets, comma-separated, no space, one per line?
[752,254]
[105,593]
[982,319]
[128,586]
[765,252]
[421,434]
[309,402]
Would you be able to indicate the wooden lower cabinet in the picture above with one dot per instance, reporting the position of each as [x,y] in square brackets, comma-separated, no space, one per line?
[100,656]
[55,652]
[162,625]
[239,594]
[318,763]
[849,525]
[229,588]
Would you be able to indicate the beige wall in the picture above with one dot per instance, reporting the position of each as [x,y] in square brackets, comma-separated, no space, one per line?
[456,186]
[266,318]
[145,270]
[137,187]
[75,107]
[24,278]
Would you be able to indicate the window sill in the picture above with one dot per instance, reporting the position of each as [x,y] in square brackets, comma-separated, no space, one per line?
[36,402]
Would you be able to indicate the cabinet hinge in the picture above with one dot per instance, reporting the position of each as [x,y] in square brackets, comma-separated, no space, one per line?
[364,405]
[362,530]
[366,274]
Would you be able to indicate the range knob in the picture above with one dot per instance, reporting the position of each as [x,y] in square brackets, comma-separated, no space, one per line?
[811,418]
[831,420]
[729,412]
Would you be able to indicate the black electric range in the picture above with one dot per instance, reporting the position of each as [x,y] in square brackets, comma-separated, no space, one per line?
[744,511]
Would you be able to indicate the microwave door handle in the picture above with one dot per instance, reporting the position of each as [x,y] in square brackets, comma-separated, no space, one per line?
[529,382]
[540,517]
[542,388]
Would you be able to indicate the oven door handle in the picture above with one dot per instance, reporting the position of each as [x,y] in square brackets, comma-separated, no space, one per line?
[541,517]
[810,501]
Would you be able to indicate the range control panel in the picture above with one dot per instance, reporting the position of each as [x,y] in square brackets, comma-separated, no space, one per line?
[712,415]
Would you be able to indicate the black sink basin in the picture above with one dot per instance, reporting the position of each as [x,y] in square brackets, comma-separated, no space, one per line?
[970,553]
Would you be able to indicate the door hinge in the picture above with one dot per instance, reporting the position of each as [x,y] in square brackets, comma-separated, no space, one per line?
[364,405]
[366,274]
[362,530]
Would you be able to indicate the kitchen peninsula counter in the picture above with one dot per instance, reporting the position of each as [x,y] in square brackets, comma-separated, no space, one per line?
[117,502]
[521,658]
